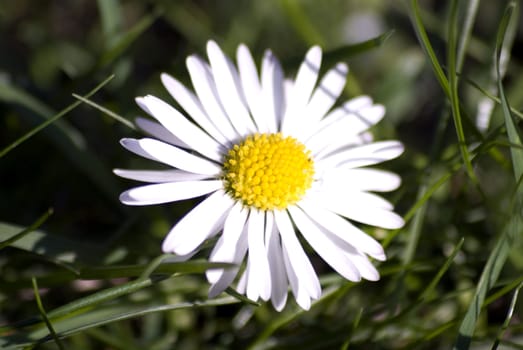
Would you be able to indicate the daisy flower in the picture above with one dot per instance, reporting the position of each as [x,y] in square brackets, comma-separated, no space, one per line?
[275,162]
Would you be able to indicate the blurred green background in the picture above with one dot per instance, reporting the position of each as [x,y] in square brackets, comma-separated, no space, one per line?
[52,49]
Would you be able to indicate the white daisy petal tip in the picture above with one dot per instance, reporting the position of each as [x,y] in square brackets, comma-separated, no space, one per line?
[342,68]
[379,257]
[399,222]
[192,62]
[213,48]
[125,141]
[243,50]
[166,79]
[141,102]
[167,246]
[314,54]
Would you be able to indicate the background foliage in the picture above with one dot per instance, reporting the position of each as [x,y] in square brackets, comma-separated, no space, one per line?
[78,270]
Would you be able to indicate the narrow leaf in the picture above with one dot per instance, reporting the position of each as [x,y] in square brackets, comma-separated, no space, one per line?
[514,226]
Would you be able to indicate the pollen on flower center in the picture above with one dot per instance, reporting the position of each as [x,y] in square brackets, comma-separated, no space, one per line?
[268,171]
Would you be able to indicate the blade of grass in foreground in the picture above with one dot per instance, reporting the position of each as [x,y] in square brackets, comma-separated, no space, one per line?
[508,318]
[105,315]
[162,272]
[65,138]
[51,120]
[448,84]
[514,226]
[345,52]
[55,248]
[453,89]
[27,230]
[44,316]
[104,110]
[425,44]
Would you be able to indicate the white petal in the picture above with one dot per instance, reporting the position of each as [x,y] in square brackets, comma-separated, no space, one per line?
[356,257]
[133,145]
[278,275]
[251,87]
[202,222]
[364,266]
[190,103]
[242,282]
[227,85]
[227,277]
[159,176]
[171,155]
[168,192]
[348,194]
[362,212]
[272,91]
[227,246]
[339,130]
[185,130]
[356,103]
[158,131]
[362,179]
[203,84]
[342,228]
[259,280]
[299,261]
[302,296]
[361,156]
[302,89]
[324,97]
[328,251]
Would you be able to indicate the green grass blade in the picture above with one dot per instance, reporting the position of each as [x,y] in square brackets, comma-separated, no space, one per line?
[492,97]
[39,108]
[106,272]
[106,315]
[104,110]
[466,31]
[505,290]
[233,293]
[44,316]
[417,209]
[488,278]
[506,323]
[27,230]
[55,248]
[91,300]
[432,285]
[161,272]
[414,229]
[426,45]
[345,52]
[104,296]
[66,140]
[512,132]
[453,90]
[514,226]
[357,319]
[12,94]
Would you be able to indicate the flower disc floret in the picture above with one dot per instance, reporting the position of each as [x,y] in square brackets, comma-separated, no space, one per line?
[268,171]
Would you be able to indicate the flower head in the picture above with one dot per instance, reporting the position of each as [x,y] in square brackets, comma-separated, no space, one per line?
[274,160]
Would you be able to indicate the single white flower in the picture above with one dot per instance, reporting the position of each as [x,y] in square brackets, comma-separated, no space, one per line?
[272,158]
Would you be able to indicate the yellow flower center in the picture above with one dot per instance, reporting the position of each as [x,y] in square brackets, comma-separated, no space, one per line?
[268,171]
